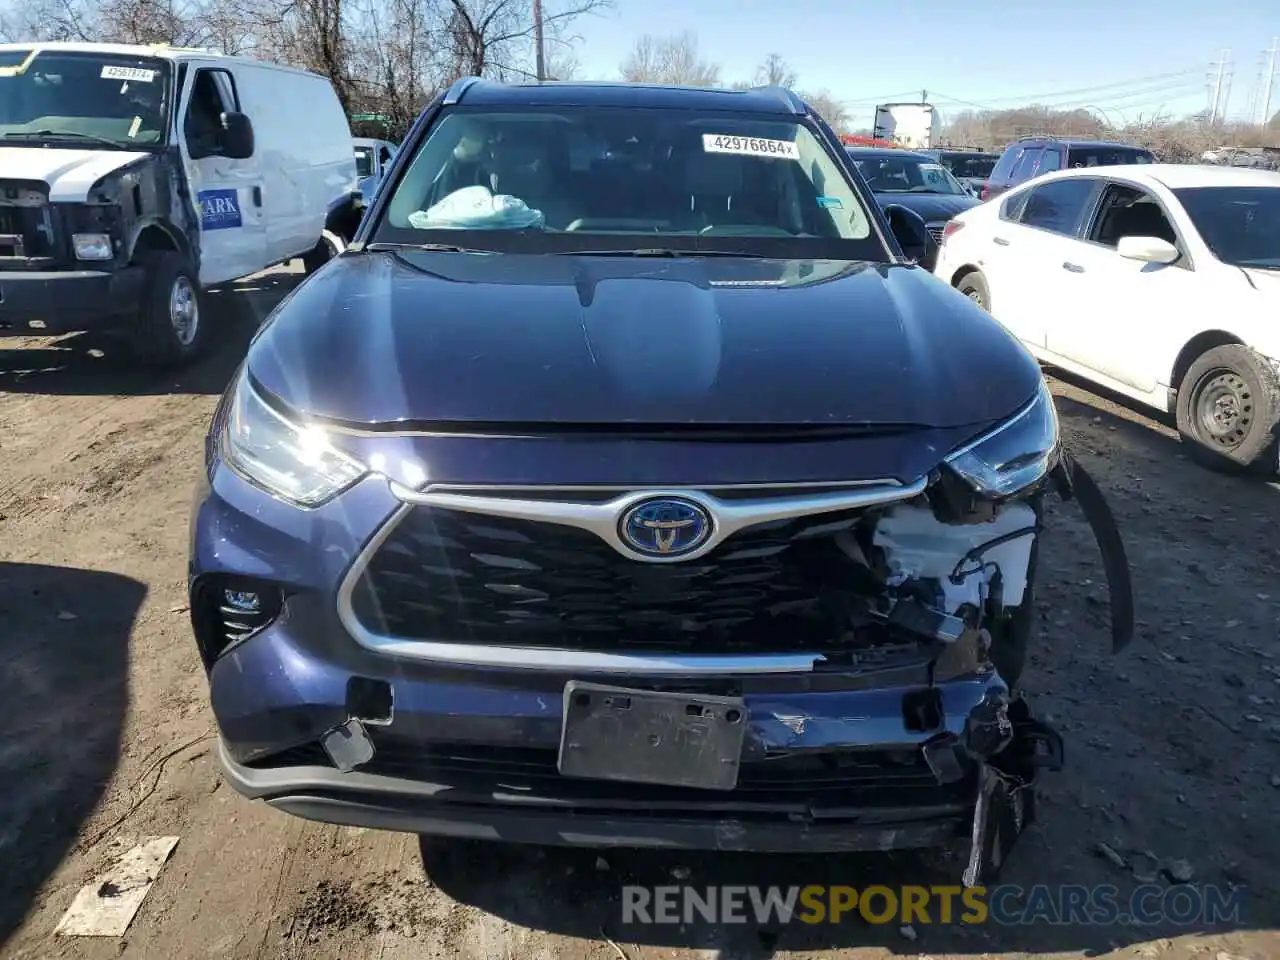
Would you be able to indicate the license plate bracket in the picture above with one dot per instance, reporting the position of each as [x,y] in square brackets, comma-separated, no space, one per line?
[646,736]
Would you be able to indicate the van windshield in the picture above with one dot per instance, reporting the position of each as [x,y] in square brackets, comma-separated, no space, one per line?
[83,100]
[640,177]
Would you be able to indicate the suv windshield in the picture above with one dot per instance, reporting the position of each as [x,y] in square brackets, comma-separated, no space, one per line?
[364,162]
[82,99]
[1241,225]
[640,177]
[907,175]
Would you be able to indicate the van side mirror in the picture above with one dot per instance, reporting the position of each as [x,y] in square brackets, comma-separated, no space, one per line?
[913,236]
[236,136]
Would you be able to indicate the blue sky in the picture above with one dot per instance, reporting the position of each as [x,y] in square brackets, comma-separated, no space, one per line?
[988,53]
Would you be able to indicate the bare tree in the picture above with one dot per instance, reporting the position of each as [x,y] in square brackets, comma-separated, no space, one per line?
[671,60]
[829,109]
[494,36]
[775,72]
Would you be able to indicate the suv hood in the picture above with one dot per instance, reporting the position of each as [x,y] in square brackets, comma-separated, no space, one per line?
[415,337]
[70,174]
[933,207]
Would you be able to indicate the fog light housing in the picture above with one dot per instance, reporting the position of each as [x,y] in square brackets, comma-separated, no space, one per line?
[92,246]
[228,610]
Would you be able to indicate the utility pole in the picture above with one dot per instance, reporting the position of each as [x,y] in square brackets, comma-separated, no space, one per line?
[1269,81]
[924,96]
[1216,107]
[540,51]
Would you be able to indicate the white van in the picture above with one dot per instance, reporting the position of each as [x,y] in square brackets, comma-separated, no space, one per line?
[132,178]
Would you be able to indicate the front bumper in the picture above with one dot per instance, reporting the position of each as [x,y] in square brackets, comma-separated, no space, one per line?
[834,759]
[39,303]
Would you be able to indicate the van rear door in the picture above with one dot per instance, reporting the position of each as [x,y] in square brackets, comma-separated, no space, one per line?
[227,193]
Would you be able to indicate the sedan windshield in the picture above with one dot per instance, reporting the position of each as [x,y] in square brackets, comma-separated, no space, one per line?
[1241,225]
[907,175]
[589,178]
[84,100]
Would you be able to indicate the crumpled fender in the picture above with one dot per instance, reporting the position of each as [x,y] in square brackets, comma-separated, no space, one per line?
[1073,483]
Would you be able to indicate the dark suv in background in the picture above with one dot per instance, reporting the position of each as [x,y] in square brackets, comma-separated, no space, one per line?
[1031,156]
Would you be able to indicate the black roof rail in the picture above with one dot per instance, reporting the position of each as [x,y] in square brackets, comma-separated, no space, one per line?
[789,99]
[460,87]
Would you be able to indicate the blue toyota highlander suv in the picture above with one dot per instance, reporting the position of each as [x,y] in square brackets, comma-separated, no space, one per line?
[626,482]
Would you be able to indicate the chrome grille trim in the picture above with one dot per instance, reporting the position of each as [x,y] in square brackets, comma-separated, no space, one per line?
[602,519]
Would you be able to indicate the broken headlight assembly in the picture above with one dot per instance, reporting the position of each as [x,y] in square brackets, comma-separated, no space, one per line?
[295,462]
[1017,454]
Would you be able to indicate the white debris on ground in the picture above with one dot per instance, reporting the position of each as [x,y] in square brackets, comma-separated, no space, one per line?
[106,907]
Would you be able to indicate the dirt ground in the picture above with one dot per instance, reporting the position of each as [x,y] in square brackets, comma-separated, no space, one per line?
[1173,746]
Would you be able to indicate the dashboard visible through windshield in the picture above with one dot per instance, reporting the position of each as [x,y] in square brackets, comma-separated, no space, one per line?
[81,99]
[651,174]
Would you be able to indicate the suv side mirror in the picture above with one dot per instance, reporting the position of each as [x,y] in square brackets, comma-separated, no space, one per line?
[912,235]
[236,136]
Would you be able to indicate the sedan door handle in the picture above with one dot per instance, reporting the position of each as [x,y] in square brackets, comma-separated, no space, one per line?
[1000,241]
[1073,267]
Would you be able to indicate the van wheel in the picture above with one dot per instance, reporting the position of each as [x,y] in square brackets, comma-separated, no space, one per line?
[169,330]
[330,246]
[974,286]
[1228,409]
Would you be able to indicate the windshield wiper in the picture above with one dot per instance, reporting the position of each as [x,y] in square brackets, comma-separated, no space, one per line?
[656,252]
[65,134]
[428,247]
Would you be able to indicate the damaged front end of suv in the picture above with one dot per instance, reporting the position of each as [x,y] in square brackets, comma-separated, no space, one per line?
[542,533]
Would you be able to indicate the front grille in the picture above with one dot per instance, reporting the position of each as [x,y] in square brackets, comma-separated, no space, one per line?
[459,577]
[26,232]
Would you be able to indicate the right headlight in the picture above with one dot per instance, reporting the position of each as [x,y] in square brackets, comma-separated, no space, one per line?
[1016,454]
[296,462]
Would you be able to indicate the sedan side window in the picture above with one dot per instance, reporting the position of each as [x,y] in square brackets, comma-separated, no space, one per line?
[1130,212]
[1012,207]
[1059,206]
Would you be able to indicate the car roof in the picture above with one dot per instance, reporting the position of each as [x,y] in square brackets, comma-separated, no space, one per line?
[159,51]
[773,101]
[1175,176]
[1070,142]
[856,151]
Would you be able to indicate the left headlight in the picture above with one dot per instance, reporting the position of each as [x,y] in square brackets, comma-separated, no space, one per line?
[295,462]
[1016,454]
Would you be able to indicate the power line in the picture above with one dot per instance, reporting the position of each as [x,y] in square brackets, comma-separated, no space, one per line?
[1091,91]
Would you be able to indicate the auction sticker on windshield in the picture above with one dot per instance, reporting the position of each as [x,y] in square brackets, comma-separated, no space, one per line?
[136,74]
[749,146]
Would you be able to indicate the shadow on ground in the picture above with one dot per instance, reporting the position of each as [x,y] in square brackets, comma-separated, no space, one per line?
[64,637]
[90,364]
[580,893]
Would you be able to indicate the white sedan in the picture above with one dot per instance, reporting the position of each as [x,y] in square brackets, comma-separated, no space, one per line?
[1159,281]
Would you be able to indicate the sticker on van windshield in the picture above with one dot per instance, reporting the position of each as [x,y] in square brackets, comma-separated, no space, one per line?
[750,146]
[219,209]
[128,73]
